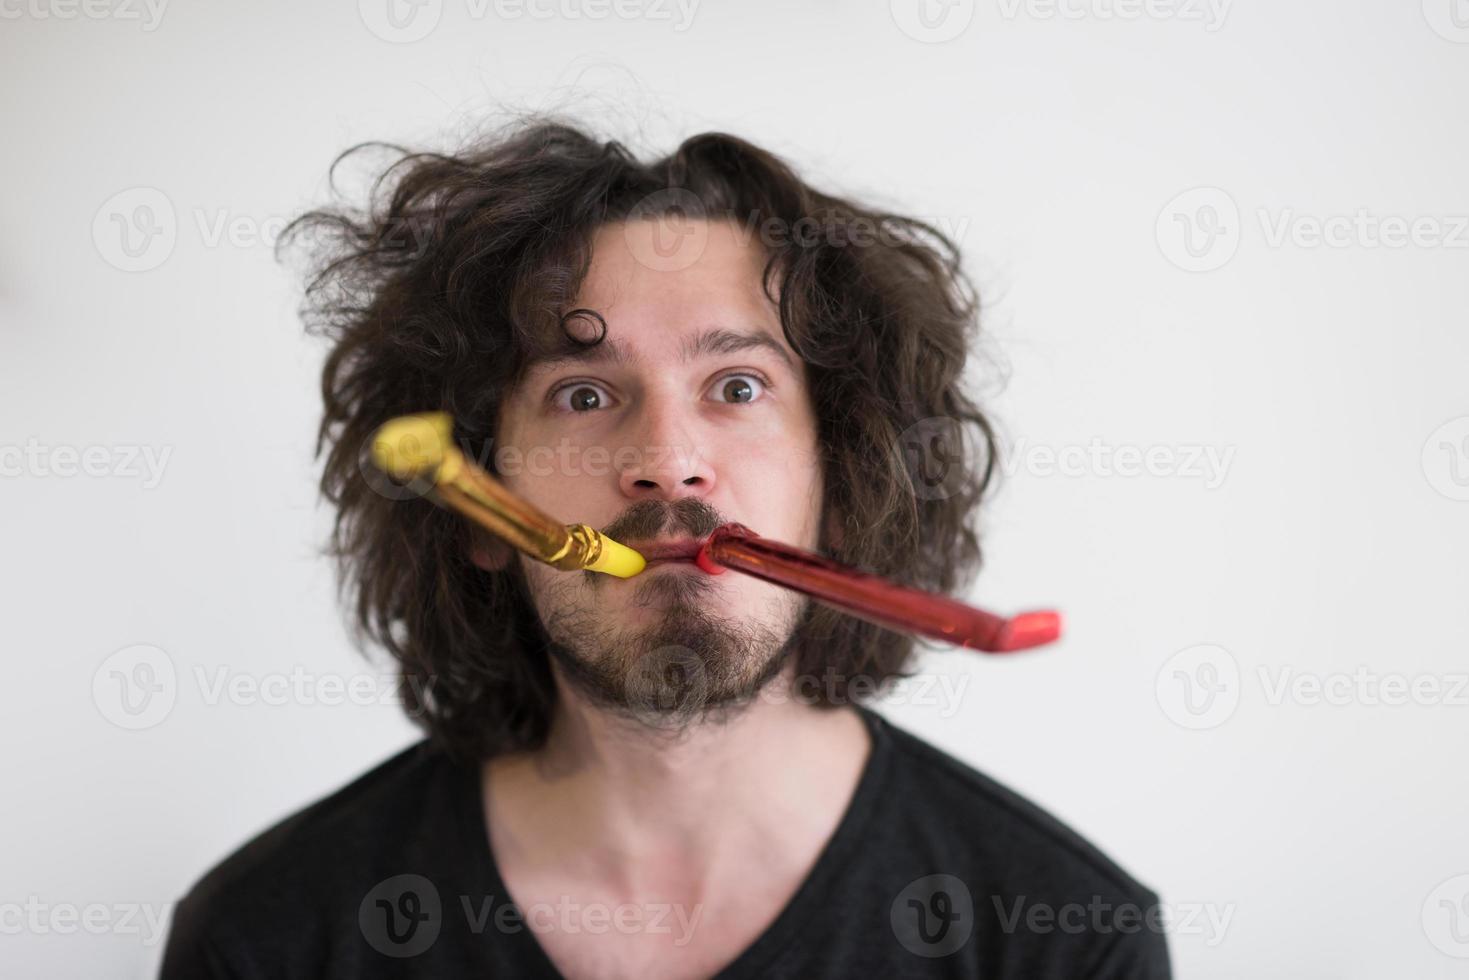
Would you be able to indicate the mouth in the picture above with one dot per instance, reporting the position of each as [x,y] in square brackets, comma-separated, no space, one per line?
[667,551]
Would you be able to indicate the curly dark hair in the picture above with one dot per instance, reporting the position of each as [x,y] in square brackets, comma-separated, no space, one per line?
[460,269]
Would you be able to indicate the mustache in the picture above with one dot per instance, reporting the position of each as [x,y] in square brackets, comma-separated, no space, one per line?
[650,518]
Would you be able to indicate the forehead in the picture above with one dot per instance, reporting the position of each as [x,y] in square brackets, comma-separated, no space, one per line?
[676,289]
[674,255]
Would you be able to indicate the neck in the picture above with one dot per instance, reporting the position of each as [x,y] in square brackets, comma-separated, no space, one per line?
[624,799]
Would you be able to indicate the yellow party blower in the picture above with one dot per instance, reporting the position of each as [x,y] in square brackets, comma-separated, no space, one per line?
[414,446]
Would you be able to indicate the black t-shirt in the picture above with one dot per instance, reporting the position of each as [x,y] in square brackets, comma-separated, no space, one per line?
[934,870]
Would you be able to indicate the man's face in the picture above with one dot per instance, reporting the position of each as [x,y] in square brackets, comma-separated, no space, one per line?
[691,412]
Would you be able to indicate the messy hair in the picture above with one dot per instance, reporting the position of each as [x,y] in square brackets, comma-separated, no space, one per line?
[460,269]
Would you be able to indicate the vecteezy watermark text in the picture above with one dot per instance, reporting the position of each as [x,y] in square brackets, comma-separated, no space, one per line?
[1099,916]
[407,21]
[1202,229]
[41,918]
[148,12]
[138,686]
[1210,13]
[1101,459]
[38,459]
[402,916]
[1202,686]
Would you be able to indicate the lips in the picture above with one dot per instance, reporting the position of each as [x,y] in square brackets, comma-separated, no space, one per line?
[681,549]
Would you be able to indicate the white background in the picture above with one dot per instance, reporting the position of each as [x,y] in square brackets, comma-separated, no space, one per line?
[1055,143]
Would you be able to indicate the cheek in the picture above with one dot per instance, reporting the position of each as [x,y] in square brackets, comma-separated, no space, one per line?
[527,463]
[777,486]
[539,577]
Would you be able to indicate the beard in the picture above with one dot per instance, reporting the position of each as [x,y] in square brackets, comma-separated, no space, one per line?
[687,667]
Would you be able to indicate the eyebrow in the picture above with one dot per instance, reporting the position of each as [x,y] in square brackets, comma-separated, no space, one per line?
[717,340]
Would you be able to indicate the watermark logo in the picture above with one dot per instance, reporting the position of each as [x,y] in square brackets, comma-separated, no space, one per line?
[148,12]
[1099,916]
[668,685]
[932,21]
[37,917]
[1446,917]
[1362,687]
[566,459]
[666,231]
[404,915]
[931,452]
[933,916]
[596,918]
[1446,459]
[836,229]
[1199,230]
[138,686]
[1098,459]
[400,21]
[301,687]
[401,916]
[135,688]
[1362,229]
[678,12]
[36,459]
[135,230]
[1199,687]
[406,21]
[398,456]
[1210,13]
[1448,18]
[942,693]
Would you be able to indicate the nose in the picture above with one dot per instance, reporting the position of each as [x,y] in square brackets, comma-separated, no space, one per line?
[668,464]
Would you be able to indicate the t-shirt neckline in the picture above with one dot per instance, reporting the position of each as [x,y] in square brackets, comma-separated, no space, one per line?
[833,861]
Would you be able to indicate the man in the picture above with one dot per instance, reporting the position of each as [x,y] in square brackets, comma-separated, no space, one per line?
[670,775]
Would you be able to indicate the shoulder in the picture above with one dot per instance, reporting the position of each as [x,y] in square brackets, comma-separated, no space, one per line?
[349,822]
[947,791]
[290,879]
[1030,875]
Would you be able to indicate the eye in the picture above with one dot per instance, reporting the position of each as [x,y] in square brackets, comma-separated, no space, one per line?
[740,388]
[579,396]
